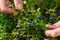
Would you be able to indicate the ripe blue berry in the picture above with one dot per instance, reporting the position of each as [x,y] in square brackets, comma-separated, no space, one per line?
[55,14]
[17,36]
[38,17]
[28,26]
[15,20]
[37,29]
[32,22]
[20,26]
[18,32]
[28,10]
[52,20]
[17,14]
[28,23]
[43,17]
[42,11]
[36,6]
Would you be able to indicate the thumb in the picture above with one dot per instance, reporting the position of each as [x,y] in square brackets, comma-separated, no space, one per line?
[53,33]
[6,9]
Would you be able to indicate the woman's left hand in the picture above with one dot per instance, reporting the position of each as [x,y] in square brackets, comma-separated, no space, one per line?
[4,7]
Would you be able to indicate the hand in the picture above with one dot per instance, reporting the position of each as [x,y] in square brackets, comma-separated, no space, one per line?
[53,30]
[5,8]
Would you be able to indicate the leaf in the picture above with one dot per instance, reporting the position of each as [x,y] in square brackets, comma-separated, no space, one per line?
[0,38]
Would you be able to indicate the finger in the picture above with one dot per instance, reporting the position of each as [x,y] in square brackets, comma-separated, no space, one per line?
[53,33]
[6,9]
[3,3]
[56,25]
[0,9]
[18,4]
[46,39]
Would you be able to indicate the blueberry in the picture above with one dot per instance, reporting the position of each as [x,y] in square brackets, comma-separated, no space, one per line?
[18,32]
[20,26]
[28,23]
[17,36]
[38,17]
[28,10]
[15,20]
[37,29]
[41,11]
[36,6]
[43,17]
[17,14]
[55,14]
[28,26]
[32,22]
[52,20]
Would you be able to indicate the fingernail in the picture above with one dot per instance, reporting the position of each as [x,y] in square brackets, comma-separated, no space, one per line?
[47,32]
[46,39]
[47,25]
[20,6]
[53,33]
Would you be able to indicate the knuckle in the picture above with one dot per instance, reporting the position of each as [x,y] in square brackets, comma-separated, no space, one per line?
[53,34]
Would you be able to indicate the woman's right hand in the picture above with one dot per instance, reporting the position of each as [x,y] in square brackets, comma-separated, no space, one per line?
[53,30]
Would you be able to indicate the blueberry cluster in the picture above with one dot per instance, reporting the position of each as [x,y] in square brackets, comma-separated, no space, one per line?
[32,21]
[29,23]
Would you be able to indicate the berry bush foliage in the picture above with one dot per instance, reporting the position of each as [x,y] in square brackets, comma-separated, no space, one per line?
[28,23]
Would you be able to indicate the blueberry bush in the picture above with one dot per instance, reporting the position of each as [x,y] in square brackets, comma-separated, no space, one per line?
[30,22]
